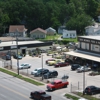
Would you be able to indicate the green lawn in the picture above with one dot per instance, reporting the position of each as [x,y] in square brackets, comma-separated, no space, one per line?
[55,37]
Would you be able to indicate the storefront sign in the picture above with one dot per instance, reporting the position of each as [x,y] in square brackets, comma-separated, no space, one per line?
[23,47]
[13,47]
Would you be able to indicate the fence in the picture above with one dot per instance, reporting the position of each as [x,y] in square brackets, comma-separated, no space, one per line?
[77,87]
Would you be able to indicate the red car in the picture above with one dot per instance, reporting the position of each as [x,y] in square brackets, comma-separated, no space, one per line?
[49,60]
[57,84]
[61,64]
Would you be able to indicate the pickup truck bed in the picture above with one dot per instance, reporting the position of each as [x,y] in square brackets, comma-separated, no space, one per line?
[46,97]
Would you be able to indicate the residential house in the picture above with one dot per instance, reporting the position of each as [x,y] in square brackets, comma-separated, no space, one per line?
[38,33]
[17,30]
[69,34]
[60,29]
[50,31]
[93,30]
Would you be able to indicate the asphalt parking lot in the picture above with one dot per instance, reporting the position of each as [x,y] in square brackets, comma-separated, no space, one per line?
[75,79]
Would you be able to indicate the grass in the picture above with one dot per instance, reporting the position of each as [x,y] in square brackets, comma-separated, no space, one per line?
[71,97]
[55,37]
[20,77]
[89,97]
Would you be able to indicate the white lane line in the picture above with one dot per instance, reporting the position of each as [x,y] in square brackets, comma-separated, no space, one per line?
[3,95]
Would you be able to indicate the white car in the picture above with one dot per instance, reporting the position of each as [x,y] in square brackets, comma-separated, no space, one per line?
[25,66]
[83,69]
[35,71]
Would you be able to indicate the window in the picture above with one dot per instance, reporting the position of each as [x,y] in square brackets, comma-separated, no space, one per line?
[73,34]
[66,34]
[85,46]
[92,47]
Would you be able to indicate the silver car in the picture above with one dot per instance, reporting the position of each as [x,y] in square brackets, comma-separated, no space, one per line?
[25,66]
[83,69]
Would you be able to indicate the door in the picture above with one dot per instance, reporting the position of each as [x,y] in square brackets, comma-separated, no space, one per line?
[23,51]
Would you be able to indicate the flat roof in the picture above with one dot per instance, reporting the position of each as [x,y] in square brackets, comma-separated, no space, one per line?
[11,43]
[85,56]
[91,37]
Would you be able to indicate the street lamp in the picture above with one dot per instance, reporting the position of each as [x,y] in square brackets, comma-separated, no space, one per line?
[17,50]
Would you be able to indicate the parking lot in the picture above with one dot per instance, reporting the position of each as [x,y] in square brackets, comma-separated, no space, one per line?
[75,79]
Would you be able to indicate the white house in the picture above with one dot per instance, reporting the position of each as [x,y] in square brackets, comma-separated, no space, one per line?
[50,31]
[17,30]
[69,34]
[93,30]
[60,29]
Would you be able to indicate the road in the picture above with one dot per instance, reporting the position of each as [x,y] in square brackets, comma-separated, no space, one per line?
[12,88]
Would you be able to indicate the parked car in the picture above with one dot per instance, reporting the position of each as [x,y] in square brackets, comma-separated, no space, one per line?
[49,60]
[50,63]
[25,66]
[40,95]
[83,69]
[7,57]
[17,56]
[57,84]
[75,66]
[50,74]
[65,77]
[91,90]
[35,71]
[41,72]
[61,64]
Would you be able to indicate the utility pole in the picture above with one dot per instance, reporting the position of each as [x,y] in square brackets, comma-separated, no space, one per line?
[17,51]
[42,65]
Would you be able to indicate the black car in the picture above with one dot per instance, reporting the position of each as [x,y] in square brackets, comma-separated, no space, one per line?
[50,74]
[91,90]
[40,72]
[75,66]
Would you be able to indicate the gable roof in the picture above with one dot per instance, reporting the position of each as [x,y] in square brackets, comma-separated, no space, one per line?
[38,29]
[20,28]
[50,29]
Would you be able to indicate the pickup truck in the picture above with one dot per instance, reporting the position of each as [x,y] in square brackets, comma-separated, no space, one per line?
[40,95]
[57,84]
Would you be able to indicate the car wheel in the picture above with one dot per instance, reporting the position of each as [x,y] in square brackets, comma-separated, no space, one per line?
[65,86]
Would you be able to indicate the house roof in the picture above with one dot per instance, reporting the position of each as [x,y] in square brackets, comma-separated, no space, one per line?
[19,28]
[50,29]
[38,29]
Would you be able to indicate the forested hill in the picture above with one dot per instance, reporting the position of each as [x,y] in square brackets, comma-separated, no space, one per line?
[75,14]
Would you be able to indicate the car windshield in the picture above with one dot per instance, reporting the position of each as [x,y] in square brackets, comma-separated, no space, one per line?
[26,64]
[22,64]
[52,83]
[35,70]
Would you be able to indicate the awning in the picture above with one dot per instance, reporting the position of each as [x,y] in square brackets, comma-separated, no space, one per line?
[85,56]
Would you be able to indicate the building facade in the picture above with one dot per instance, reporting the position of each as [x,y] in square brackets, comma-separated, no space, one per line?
[89,43]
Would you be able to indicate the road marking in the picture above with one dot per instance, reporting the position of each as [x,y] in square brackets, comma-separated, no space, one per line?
[15,91]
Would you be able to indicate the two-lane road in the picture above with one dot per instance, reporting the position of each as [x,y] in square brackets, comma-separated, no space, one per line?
[12,88]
